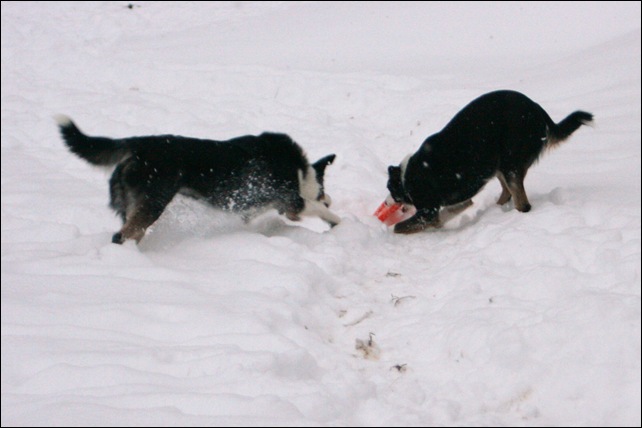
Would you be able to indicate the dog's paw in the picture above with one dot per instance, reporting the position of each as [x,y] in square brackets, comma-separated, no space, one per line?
[407,227]
[117,238]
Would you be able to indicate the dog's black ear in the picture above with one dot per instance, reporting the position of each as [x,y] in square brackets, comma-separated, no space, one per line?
[394,172]
[319,166]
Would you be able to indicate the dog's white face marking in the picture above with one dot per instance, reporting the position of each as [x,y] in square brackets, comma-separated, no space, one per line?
[403,166]
[309,187]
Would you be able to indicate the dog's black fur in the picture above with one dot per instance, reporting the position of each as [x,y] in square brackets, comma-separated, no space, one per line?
[500,134]
[247,175]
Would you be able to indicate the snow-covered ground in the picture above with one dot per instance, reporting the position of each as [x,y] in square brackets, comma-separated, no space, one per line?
[501,318]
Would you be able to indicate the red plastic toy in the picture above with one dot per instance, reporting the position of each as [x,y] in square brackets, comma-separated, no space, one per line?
[390,212]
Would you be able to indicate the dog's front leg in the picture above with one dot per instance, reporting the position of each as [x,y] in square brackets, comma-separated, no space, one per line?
[449,212]
[316,208]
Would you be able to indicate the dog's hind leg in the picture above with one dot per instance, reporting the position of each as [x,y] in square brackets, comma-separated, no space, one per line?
[144,213]
[515,184]
[117,193]
[505,196]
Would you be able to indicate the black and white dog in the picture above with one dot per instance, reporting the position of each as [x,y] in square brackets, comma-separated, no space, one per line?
[500,134]
[247,175]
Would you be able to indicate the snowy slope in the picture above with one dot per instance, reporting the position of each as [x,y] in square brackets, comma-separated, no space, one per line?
[500,318]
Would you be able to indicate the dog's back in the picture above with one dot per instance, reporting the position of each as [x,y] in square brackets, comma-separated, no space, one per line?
[507,126]
[243,173]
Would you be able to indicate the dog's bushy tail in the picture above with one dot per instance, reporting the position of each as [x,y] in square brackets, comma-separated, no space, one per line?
[558,132]
[95,150]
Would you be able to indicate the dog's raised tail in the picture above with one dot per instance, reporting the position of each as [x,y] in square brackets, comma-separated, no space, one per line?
[558,132]
[95,150]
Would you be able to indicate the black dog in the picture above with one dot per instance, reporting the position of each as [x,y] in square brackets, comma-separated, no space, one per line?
[499,134]
[247,175]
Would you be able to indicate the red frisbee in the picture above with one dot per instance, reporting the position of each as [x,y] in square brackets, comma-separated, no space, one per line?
[390,212]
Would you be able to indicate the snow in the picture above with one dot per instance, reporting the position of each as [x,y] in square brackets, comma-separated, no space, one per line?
[500,318]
